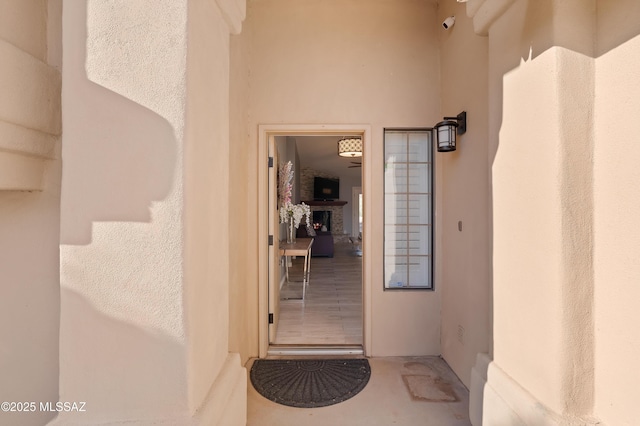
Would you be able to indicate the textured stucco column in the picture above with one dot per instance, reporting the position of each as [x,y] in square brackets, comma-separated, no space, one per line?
[30,127]
[217,382]
[144,279]
[616,212]
[541,73]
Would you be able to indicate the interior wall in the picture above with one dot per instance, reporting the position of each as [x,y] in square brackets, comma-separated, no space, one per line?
[30,64]
[616,207]
[310,64]
[464,194]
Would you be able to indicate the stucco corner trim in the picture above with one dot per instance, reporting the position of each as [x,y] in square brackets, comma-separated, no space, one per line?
[19,172]
[24,154]
[476,388]
[234,12]
[226,403]
[485,13]
[473,6]
[505,401]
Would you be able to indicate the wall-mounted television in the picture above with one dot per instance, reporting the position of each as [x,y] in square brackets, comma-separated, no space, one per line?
[326,189]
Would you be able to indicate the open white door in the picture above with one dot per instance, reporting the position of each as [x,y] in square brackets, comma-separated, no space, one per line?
[271,271]
[274,248]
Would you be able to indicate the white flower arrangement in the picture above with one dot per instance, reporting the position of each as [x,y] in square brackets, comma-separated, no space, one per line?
[295,211]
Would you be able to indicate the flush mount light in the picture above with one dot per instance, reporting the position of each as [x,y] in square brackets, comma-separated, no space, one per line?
[350,147]
[446,131]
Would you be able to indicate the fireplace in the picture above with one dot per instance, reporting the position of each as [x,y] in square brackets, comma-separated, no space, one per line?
[321,218]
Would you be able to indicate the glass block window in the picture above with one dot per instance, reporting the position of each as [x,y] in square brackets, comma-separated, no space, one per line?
[408,209]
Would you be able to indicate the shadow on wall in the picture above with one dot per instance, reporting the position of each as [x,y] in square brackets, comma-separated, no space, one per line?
[541,27]
[30,298]
[118,156]
[117,368]
[536,39]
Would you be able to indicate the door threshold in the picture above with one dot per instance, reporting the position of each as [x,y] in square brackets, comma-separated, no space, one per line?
[314,350]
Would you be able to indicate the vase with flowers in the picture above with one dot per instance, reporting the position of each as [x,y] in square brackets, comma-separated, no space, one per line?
[292,215]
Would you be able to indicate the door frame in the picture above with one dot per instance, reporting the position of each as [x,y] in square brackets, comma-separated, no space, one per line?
[265,131]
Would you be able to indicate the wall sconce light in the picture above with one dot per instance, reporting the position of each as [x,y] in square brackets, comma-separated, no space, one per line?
[350,147]
[446,131]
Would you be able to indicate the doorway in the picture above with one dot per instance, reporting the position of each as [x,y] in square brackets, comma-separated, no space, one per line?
[332,318]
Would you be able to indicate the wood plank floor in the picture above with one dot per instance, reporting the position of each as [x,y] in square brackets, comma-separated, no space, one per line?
[332,311]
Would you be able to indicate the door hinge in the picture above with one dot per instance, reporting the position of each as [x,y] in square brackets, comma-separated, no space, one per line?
[270,240]
[270,318]
[270,161]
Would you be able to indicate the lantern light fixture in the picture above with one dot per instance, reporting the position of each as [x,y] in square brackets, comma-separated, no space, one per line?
[446,131]
[350,147]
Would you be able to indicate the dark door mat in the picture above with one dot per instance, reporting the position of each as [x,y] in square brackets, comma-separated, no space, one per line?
[309,383]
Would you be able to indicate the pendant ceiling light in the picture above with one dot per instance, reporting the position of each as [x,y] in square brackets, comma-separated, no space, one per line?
[350,147]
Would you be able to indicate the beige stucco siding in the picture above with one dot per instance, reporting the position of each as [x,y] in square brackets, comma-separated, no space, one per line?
[373,63]
[616,205]
[29,204]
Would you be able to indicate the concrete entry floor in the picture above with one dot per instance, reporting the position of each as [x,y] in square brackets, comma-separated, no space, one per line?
[408,391]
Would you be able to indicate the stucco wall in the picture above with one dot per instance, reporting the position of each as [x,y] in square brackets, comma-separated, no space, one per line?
[144,264]
[30,41]
[30,84]
[122,323]
[541,84]
[526,216]
[243,322]
[216,378]
[464,196]
[339,62]
[207,191]
[563,205]
[616,209]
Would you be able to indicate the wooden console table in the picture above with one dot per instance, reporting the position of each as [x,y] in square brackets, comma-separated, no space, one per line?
[302,247]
